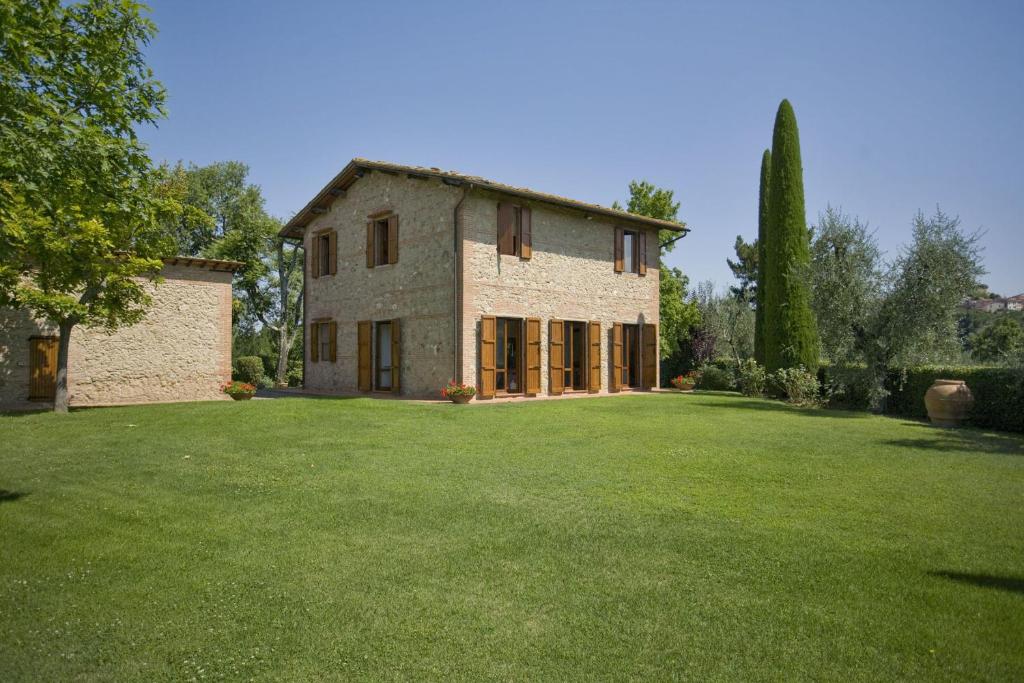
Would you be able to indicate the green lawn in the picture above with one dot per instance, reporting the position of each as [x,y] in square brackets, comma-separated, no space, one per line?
[647,537]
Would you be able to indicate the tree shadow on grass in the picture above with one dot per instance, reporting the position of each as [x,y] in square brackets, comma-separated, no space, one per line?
[1007,583]
[950,440]
[11,496]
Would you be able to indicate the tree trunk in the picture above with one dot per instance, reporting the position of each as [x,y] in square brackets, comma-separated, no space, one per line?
[284,347]
[60,396]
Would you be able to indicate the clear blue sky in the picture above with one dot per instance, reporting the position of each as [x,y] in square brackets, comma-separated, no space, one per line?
[901,105]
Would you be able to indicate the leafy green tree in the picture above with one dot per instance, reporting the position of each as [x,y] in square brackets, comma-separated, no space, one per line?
[744,269]
[81,206]
[917,319]
[676,315]
[762,227]
[791,338]
[1003,340]
[846,281]
[728,320]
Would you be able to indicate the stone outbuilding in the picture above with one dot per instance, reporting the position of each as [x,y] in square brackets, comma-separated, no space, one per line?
[180,351]
[415,276]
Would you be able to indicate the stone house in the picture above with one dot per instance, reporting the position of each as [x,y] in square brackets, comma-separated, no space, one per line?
[180,351]
[415,276]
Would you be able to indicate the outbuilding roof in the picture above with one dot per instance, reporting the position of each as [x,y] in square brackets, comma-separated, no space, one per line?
[357,168]
[210,263]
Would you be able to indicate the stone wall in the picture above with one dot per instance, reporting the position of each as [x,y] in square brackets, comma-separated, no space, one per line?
[181,350]
[418,289]
[570,276]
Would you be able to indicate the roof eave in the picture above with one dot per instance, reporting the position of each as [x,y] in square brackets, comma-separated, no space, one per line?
[295,227]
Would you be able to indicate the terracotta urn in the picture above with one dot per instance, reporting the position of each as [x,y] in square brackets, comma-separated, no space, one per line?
[241,397]
[948,402]
[461,399]
[686,387]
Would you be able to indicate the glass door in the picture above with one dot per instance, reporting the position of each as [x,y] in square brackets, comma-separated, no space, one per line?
[508,356]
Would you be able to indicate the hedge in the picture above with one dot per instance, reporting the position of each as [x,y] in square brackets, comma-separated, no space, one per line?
[998,393]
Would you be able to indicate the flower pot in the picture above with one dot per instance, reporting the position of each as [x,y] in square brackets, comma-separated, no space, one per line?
[461,398]
[241,397]
[948,402]
[686,387]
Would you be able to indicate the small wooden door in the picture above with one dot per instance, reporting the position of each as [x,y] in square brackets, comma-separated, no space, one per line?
[42,368]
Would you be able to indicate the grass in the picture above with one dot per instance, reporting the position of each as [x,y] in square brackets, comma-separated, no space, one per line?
[647,537]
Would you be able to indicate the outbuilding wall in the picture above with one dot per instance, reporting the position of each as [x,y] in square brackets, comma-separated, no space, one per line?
[180,351]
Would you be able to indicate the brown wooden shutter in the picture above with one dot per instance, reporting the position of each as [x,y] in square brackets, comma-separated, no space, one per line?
[641,252]
[618,250]
[332,247]
[332,330]
[396,356]
[526,232]
[314,342]
[594,357]
[365,368]
[616,384]
[369,244]
[649,361]
[556,356]
[488,335]
[533,368]
[392,239]
[314,250]
[506,242]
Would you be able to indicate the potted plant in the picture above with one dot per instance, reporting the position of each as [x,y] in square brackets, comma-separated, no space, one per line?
[458,393]
[240,391]
[686,382]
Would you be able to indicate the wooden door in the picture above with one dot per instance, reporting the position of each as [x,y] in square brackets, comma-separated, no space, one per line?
[42,368]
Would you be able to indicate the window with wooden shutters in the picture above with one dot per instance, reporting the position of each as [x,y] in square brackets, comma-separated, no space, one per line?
[630,251]
[314,256]
[488,336]
[532,347]
[594,357]
[515,230]
[364,355]
[332,341]
[616,384]
[649,355]
[556,357]
[381,240]
[314,342]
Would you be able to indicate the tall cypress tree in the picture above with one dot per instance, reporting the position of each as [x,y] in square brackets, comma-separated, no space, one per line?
[762,237]
[790,333]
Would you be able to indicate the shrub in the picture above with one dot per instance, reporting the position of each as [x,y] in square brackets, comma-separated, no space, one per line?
[751,378]
[800,387]
[852,387]
[998,393]
[249,369]
[714,378]
[295,373]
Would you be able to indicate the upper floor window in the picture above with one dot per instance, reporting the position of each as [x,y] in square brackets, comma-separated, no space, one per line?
[630,251]
[324,256]
[515,230]
[382,240]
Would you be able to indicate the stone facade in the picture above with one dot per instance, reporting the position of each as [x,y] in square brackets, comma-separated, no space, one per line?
[418,289]
[181,350]
[439,293]
[570,276]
